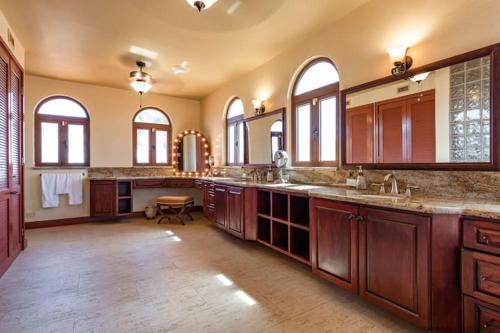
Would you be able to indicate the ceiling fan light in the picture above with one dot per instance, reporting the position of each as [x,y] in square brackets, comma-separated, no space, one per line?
[141,86]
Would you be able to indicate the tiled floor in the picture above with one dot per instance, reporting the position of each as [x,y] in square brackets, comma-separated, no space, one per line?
[137,276]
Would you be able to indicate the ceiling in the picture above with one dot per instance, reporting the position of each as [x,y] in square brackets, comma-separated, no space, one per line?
[89,40]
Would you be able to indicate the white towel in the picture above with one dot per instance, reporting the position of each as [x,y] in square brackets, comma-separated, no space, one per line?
[49,196]
[70,184]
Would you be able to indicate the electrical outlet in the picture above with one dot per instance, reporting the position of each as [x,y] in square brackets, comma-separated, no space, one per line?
[30,215]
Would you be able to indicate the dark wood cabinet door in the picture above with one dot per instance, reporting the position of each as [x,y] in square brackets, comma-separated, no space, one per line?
[391,132]
[421,125]
[220,206]
[335,242]
[103,198]
[394,263]
[6,203]
[359,134]
[15,142]
[480,317]
[235,210]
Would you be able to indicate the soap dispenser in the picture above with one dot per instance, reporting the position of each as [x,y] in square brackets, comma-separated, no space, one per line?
[360,180]
[269,176]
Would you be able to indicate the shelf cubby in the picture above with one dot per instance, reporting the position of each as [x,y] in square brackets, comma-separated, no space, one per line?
[280,206]
[125,189]
[299,243]
[280,235]
[299,210]
[264,230]
[124,206]
[264,203]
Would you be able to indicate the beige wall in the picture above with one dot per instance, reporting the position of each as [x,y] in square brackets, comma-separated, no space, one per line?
[17,49]
[357,44]
[111,111]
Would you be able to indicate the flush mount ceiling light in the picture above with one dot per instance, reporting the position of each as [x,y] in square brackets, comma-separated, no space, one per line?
[402,62]
[181,69]
[140,81]
[201,4]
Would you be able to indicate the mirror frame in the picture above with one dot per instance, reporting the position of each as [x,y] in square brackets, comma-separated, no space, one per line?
[176,146]
[494,52]
[257,117]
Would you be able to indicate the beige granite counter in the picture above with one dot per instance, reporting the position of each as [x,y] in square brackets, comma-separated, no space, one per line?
[419,204]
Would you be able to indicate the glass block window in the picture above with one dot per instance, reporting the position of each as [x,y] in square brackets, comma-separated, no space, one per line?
[470,111]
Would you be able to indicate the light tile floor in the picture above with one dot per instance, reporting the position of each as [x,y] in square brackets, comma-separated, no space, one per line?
[137,276]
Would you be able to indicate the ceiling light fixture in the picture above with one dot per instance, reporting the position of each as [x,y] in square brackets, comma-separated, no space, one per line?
[140,81]
[201,4]
[181,69]
[402,62]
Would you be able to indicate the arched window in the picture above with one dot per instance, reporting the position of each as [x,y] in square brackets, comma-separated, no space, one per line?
[152,137]
[314,116]
[235,139]
[61,133]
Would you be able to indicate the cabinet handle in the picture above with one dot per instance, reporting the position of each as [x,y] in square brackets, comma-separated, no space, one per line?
[350,217]
[485,239]
[486,279]
[13,192]
[359,218]
[490,324]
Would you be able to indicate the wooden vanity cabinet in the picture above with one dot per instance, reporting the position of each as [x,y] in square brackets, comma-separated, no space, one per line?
[394,263]
[481,275]
[334,248]
[103,198]
[230,209]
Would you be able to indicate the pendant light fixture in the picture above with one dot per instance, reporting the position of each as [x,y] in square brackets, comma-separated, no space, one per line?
[201,4]
[140,81]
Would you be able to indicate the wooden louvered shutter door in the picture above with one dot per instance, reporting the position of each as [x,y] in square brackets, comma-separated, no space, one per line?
[15,108]
[4,160]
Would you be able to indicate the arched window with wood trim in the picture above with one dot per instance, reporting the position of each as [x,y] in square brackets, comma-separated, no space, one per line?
[315,115]
[235,138]
[152,137]
[62,133]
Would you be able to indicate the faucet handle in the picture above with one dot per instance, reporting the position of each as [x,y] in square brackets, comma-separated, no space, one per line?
[382,187]
[409,187]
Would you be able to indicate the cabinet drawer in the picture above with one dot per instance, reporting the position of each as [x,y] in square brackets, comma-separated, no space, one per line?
[480,317]
[149,183]
[211,198]
[179,183]
[482,235]
[199,184]
[481,276]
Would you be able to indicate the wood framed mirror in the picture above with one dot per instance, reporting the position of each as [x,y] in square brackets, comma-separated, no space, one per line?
[441,116]
[190,154]
[266,134]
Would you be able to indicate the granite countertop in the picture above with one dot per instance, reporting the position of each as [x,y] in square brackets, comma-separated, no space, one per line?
[420,204]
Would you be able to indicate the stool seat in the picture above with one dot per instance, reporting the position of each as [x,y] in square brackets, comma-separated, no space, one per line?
[174,206]
[174,199]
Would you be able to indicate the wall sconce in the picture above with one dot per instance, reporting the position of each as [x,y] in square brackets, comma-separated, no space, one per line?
[419,77]
[402,62]
[258,106]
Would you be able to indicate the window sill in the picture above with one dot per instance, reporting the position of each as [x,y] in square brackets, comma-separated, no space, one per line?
[55,167]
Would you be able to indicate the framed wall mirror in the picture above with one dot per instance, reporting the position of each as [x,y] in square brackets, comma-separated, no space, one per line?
[266,134]
[191,154]
[440,116]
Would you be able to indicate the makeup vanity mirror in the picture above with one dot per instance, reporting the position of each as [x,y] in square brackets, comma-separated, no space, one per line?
[265,136]
[191,152]
[439,116]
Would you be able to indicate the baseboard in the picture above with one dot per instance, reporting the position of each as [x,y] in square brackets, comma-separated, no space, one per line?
[62,222]
[87,219]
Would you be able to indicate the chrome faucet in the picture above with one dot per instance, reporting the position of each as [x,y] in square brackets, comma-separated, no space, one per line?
[394,183]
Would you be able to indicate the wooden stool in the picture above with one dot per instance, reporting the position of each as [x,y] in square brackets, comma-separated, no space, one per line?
[175,206]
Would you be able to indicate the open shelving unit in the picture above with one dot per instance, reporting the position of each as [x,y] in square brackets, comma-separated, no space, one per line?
[124,197]
[283,223]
